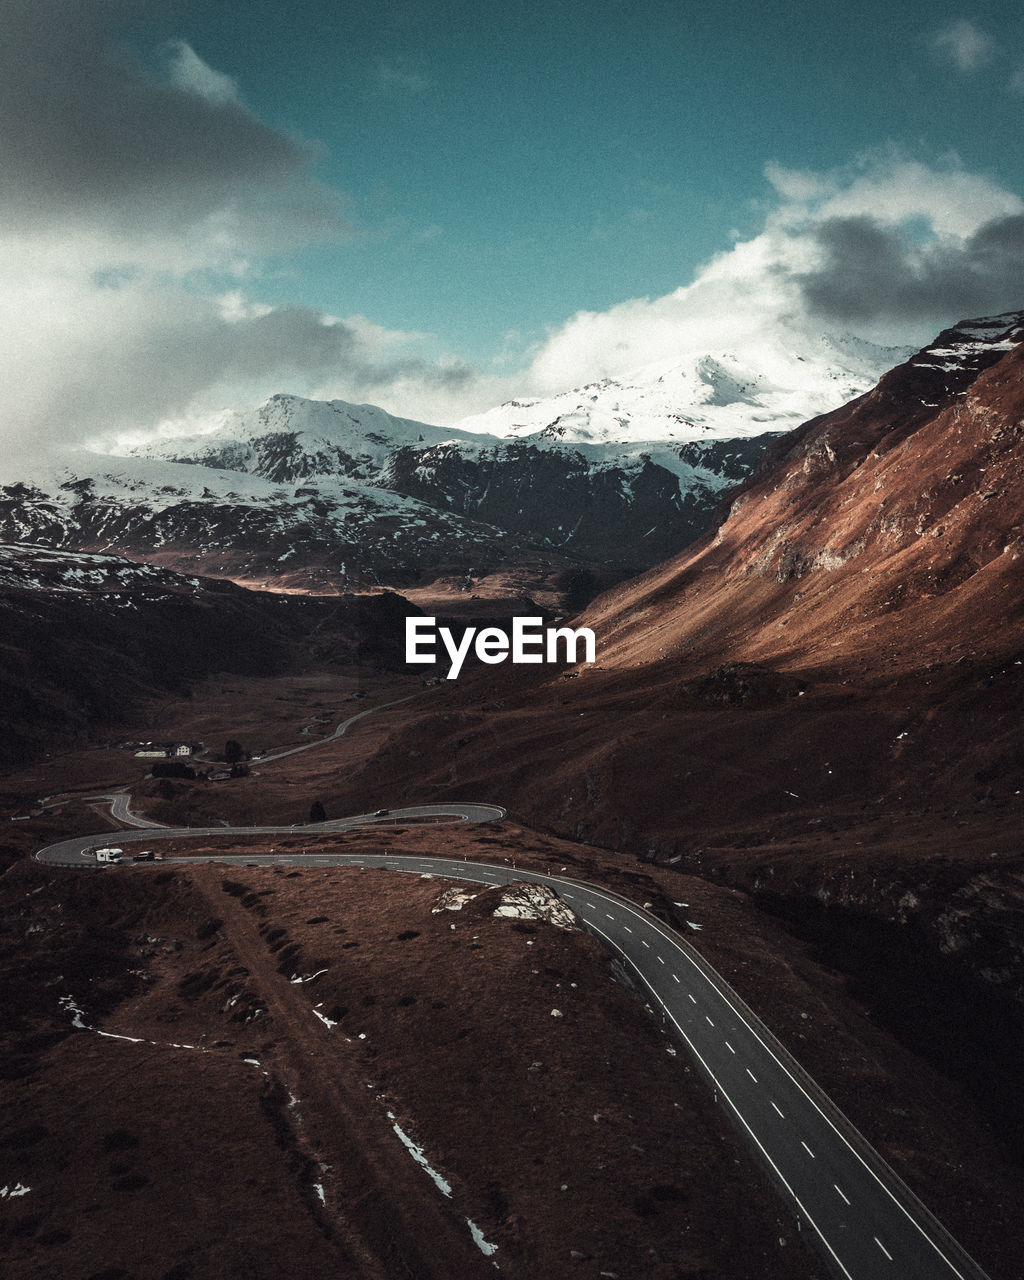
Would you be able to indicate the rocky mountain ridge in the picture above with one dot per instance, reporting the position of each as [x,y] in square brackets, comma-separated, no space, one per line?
[329,496]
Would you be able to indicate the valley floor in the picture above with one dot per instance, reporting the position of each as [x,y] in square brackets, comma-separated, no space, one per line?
[235,1133]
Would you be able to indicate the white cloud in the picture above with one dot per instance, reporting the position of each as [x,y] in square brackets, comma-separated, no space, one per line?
[893,189]
[889,248]
[187,71]
[400,77]
[132,245]
[963,45]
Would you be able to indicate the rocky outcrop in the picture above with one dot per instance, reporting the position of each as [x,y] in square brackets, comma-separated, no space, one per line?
[527,901]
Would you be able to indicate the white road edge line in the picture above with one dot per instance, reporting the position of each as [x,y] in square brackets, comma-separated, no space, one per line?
[739,1116]
[655,924]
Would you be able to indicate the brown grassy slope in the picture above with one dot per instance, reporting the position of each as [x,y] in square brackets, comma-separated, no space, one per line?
[890,530]
[195,1150]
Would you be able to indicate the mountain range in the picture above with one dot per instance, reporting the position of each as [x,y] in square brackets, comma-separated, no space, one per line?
[586,487]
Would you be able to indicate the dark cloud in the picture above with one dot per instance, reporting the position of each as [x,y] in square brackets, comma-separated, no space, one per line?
[288,342]
[88,136]
[133,353]
[874,272]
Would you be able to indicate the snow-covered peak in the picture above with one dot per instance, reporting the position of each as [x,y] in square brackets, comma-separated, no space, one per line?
[289,438]
[972,342]
[773,384]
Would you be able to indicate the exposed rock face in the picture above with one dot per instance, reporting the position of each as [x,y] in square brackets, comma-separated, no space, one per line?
[528,901]
[452,899]
[624,515]
[522,900]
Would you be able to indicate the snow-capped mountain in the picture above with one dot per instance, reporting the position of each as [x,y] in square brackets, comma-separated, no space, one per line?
[767,386]
[626,503]
[329,496]
[323,536]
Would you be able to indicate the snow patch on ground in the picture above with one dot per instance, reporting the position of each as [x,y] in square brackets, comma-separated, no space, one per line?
[308,977]
[78,1016]
[417,1154]
[483,1245]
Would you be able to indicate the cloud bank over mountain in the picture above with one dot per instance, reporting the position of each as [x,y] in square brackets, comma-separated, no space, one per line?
[888,247]
[146,207]
[139,207]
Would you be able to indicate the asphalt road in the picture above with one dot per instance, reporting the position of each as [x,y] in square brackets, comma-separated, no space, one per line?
[338,732]
[862,1219]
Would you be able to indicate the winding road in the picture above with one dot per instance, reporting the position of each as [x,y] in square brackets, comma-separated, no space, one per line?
[863,1220]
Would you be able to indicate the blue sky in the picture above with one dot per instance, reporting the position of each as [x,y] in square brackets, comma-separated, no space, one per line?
[435,205]
[510,164]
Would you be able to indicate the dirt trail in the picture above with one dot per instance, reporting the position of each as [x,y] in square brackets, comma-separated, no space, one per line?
[379,1204]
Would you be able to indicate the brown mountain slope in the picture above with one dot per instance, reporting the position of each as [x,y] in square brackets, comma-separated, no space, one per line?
[822,699]
[852,631]
[888,530]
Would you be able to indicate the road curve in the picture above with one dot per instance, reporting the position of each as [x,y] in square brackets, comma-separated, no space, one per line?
[339,731]
[78,850]
[863,1220]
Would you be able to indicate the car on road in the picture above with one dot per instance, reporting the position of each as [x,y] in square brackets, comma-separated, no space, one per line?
[381,813]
